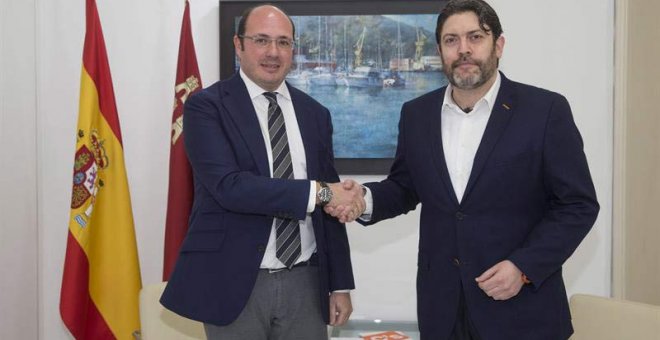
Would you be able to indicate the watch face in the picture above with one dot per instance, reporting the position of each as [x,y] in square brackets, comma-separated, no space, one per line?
[325,195]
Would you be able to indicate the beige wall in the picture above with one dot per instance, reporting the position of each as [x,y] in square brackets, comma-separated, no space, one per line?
[640,235]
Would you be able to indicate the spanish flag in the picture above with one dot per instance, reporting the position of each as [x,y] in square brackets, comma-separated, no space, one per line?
[101,281]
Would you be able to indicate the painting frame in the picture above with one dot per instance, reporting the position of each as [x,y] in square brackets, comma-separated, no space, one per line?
[231,9]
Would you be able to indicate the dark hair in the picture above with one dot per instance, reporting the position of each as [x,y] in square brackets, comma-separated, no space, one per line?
[246,13]
[488,20]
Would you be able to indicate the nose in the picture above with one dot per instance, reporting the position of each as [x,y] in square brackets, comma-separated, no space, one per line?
[272,48]
[464,47]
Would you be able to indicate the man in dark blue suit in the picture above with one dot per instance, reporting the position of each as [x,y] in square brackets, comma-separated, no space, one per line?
[261,260]
[506,194]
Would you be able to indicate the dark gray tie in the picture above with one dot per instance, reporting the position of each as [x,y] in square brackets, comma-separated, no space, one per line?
[287,231]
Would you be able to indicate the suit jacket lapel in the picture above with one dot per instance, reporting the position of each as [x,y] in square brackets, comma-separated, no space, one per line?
[308,132]
[435,133]
[238,104]
[505,105]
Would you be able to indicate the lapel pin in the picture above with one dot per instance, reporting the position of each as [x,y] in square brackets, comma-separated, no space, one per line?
[506,106]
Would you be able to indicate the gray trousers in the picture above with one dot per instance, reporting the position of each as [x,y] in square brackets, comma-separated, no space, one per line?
[283,306]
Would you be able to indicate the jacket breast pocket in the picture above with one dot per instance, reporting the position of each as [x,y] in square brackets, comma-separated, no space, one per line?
[203,241]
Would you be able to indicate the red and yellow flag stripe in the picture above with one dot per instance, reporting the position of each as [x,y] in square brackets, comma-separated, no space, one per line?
[101,281]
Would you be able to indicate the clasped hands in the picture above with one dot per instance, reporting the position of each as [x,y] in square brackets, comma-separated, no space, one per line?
[347,202]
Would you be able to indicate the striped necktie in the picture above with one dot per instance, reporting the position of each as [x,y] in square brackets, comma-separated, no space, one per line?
[287,230]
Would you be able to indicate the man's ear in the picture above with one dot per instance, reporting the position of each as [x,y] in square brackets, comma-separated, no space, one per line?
[238,45]
[499,46]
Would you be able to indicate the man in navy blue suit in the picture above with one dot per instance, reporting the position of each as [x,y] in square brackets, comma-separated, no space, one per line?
[261,260]
[505,190]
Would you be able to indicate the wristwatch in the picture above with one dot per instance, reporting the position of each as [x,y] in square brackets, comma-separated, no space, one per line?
[325,194]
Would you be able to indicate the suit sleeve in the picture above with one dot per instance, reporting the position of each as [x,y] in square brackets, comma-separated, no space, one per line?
[339,253]
[214,163]
[572,204]
[396,194]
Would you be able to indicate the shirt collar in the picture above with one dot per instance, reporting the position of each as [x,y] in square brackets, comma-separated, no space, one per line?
[256,91]
[489,97]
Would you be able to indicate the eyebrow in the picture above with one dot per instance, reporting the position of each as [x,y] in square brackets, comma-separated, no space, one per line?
[468,33]
[262,35]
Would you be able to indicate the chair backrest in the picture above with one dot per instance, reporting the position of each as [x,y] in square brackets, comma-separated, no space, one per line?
[600,318]
[159,323]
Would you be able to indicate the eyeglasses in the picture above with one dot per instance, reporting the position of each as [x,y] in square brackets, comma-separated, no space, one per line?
[263,41]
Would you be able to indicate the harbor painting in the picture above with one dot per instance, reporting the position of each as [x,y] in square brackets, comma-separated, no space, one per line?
[363,68]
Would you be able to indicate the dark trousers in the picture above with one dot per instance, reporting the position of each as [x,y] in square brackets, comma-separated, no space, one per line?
[463,327]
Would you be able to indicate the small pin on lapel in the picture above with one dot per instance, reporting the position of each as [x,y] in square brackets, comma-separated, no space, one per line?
[506,106]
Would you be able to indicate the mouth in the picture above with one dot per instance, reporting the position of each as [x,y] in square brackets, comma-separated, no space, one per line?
[465,66]
[270,67]
[465,62]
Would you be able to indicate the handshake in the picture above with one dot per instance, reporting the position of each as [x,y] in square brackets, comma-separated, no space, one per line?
[347,203]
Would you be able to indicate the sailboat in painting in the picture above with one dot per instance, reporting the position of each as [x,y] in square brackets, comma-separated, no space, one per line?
[393,78]
[298,77]
[363,75]
[321,75]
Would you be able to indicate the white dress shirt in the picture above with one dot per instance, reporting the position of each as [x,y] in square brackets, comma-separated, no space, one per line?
[461,136]
[298,161]
[462,133]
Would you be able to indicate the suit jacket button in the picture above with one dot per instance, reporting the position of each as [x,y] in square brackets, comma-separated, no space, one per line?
[261,248]
[457,262]
[460,216]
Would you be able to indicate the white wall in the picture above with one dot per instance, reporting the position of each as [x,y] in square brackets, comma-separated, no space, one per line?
[18,163]
[562,45]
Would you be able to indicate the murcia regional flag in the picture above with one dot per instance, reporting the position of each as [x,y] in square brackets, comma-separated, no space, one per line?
[101,281]
[180,193]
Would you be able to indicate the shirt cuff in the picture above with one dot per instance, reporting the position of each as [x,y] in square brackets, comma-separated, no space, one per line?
[342,291]
[311,202]
[369,206]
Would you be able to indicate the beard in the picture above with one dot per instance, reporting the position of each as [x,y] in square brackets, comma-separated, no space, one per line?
[474,79]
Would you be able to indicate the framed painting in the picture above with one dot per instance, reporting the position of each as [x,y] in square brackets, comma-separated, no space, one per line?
[362,60]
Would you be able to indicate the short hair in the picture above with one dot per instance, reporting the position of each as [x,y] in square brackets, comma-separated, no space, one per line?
[488,19]
[246,13]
